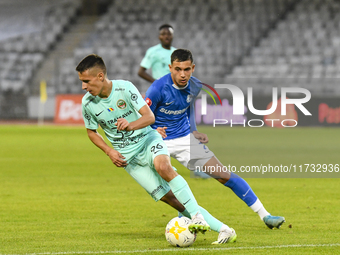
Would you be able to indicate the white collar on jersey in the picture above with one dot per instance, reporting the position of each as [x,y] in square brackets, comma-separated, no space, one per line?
[180,88]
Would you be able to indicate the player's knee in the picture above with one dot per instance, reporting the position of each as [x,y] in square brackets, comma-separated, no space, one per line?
[164,168]
[166,172]
[162,163]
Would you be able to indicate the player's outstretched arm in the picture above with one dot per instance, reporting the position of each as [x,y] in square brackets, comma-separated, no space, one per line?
[142,73]
[147,119]
[115,156]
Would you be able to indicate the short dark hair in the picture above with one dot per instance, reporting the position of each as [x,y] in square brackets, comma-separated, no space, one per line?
[165,26]
[90,61]
[181,55]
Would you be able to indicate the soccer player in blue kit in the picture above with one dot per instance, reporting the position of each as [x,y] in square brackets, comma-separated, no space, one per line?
[171,98]
[157,58]
[118,107]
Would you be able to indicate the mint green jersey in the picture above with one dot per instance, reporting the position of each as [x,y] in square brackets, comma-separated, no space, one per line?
[124,102]
[158,59]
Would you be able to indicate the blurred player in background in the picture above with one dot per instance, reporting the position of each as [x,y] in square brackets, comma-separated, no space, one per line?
[118,107]
[171,98]
[157,58]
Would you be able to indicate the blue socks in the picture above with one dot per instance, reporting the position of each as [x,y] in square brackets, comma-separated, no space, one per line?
[241,188]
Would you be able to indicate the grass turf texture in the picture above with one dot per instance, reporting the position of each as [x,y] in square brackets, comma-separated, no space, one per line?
[59,193]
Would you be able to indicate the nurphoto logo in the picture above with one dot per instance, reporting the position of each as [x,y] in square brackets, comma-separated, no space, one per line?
[239,103]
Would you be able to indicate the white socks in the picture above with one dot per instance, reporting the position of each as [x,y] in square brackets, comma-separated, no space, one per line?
[259,209]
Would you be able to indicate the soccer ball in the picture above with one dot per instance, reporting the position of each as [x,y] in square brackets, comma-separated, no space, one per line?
[177,232]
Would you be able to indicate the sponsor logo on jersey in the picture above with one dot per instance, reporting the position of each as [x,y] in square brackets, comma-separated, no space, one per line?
[121,104]
[124,115]
[171,112]
[126,141]
[148,101]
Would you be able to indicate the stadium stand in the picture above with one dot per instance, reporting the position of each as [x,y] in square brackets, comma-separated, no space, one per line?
[21,55]
[257,43]
[37,27]
[219,33]
[303,49]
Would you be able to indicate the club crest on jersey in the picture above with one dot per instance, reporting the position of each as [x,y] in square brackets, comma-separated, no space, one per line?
[189,98]
[121,104]
[148,101]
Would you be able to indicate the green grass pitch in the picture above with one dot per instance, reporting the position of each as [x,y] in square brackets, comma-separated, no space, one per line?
[59,194]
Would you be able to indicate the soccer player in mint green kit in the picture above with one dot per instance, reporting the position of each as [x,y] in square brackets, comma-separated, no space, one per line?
[157,58]
[118,107]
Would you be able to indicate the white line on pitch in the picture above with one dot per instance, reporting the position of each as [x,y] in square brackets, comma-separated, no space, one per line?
[182,249]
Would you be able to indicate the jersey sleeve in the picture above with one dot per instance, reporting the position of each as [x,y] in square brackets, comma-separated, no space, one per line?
[89,120]
[196,86]
[147,60]
[153,96]
[136,98]
[191,116]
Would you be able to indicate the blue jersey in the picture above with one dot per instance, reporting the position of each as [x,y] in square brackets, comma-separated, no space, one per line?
[173,106]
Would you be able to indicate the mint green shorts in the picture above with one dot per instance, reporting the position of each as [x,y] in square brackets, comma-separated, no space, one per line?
[142,168]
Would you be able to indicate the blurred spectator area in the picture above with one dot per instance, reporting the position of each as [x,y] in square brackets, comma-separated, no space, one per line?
[220,33]
[28,31]
[249,43]
[302,49]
